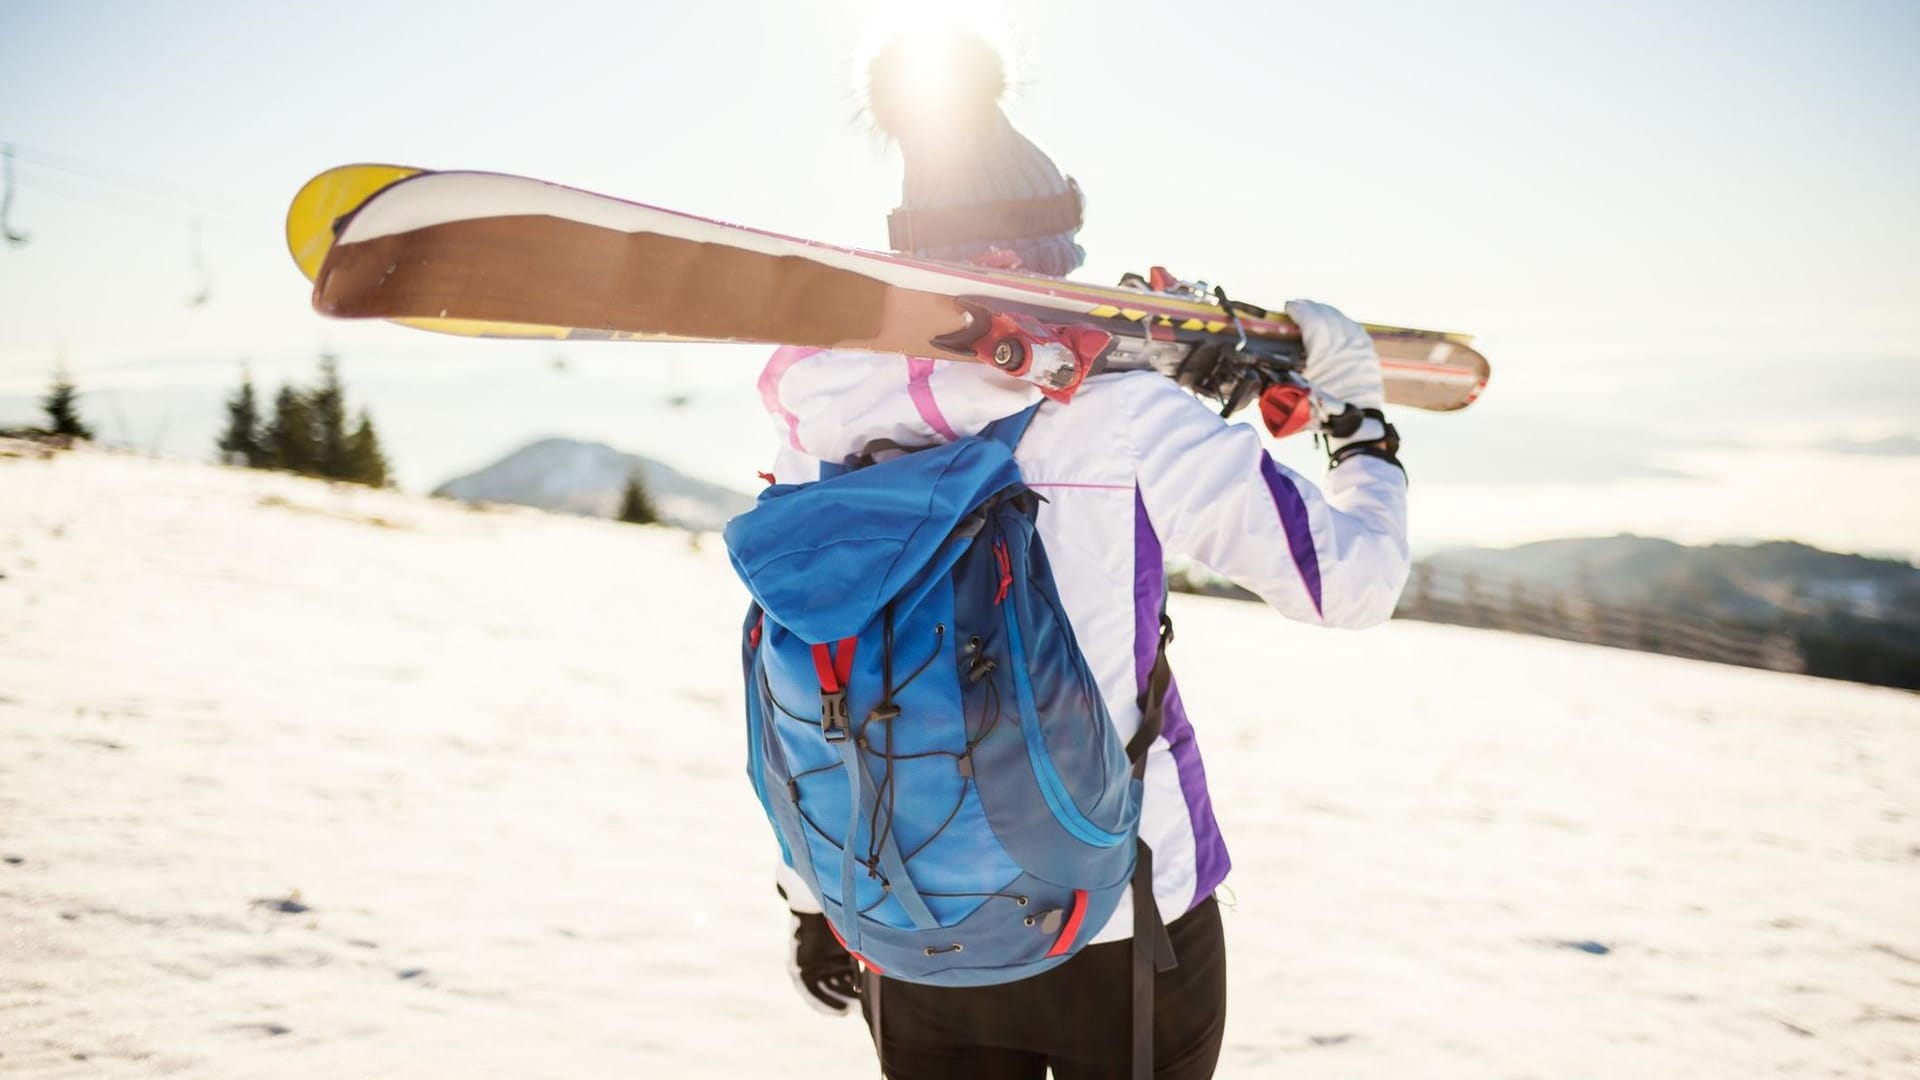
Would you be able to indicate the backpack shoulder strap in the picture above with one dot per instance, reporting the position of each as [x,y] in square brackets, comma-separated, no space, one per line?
[1008,429]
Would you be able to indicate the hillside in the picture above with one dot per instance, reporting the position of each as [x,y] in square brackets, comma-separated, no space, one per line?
[311,781]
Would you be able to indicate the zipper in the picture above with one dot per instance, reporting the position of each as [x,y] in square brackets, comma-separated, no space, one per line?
[1052,788]
[1098,721]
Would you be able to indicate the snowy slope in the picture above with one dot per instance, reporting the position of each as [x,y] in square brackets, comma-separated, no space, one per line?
[498,754]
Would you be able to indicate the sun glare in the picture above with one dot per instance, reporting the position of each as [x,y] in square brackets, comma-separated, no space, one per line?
[926,32]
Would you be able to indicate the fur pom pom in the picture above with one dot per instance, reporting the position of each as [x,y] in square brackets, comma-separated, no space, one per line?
[929,81]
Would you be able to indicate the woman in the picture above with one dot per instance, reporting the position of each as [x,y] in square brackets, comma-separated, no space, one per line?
[1132,469]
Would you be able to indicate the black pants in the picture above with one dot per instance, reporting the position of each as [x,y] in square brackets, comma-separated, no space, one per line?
[1075,1019]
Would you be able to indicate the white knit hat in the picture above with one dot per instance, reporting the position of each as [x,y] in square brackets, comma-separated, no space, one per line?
[973,184]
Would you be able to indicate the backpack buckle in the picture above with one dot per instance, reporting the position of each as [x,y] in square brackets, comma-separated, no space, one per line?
[834,721]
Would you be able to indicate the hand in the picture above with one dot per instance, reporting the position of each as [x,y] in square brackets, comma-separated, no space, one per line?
[1341,362]
[1215,370]
[822,971]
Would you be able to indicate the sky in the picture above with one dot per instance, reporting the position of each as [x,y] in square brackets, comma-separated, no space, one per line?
[1685,235]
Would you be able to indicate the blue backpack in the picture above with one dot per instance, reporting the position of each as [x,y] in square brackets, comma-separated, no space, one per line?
[922,730]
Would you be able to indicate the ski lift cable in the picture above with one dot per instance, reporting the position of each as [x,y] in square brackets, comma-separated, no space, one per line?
[115,188]
[144,205]
[110,202]
[196,249]
[115,177]
[147,203]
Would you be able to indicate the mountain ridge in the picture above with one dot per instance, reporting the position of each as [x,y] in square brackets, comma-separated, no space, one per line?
[1728,580]
[577,476]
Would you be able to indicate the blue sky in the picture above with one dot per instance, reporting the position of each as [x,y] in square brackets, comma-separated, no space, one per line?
[1684,233]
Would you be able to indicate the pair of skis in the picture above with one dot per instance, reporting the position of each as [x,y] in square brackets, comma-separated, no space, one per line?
[488,255]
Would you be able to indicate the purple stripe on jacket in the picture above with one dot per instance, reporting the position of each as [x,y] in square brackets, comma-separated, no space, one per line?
[1149,595]
[1293,520]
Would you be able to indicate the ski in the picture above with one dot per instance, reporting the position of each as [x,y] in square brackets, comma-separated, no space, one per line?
[492,255]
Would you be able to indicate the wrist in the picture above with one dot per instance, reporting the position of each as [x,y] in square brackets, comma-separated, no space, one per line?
[1371,436]
[1372,428]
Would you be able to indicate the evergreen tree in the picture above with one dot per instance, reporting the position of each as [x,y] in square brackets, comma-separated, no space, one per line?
[365,464]
[63,407]
[289,437]
[327,404]
[636,507]
[241,444]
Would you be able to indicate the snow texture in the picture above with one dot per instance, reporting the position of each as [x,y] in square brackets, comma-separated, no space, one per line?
[312,781]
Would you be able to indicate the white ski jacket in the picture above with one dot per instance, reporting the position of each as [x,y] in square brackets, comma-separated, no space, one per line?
[1132,469]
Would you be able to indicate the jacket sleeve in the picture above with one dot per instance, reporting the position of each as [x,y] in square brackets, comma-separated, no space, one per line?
[1212,492]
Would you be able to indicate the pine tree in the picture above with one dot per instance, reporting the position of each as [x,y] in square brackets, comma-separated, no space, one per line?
[327,403]
[636,507]
[289,435]
[365,464]
[63,407]
[241,443]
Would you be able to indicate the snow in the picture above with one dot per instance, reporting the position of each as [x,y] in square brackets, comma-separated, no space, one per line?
[498,754]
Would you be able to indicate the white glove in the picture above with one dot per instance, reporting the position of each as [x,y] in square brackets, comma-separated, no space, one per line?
[1341,362]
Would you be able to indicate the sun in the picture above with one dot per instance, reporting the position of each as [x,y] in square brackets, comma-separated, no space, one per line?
[922,61]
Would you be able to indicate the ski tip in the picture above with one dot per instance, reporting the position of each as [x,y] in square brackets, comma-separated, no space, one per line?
[328,197]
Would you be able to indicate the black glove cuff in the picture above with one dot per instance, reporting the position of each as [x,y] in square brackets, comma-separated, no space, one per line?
[1386,448]
[814,942]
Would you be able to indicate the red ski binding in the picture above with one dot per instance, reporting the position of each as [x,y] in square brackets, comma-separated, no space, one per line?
[1054,358]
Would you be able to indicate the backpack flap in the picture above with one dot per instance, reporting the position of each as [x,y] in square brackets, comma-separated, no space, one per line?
[822,559]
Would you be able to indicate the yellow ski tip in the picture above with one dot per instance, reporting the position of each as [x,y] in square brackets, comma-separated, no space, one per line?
[327,198]
[341,190]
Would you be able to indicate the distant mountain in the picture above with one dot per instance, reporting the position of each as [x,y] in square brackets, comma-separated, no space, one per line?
[575,477]
[1738,581]
[1778,604]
